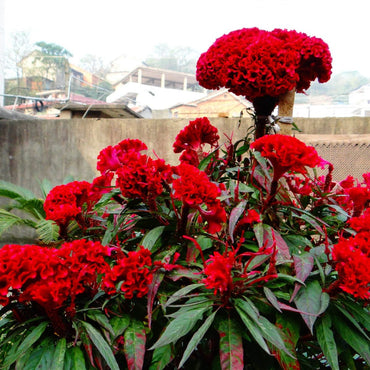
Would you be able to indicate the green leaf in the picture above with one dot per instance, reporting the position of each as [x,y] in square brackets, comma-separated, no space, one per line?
[106,198]
[181,325]
[360,313]
[267,329]
[59,354]
[313,301]
[231,345]
[204,162]
[101,319]
[41,357]
[162,356]
[325,337]
[8,220]
[28,341]
[151,238]
[204,242]
[74,359]
[182,293]
[101,345]
[34,207]
[45,187]
[120,324]
[296,242]
[271,297]
[196,338]
[47,230]
[134,345]
[12,191]
[253,329]
[193,303]
[350,318]
[313,221]
[353,337]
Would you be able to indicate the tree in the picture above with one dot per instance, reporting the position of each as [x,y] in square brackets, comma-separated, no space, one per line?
[20,46]
[94,64]
[53,57]
[180,58]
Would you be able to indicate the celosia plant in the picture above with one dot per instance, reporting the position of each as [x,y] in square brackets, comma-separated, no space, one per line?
[235,263]
[238,257]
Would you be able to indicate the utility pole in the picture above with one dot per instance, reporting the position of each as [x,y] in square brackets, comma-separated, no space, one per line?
[2,51]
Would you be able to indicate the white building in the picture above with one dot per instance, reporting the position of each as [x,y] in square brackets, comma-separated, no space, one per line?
[156,88]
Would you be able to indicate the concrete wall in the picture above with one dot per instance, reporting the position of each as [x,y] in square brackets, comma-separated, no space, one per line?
[54,149]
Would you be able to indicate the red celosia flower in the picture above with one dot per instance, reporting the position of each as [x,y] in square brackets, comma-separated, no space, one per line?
[196,191]
[100,185]
[65,202]
[360,197]
[352,257]
[366,177]
[49,276]
[347,183]
[226,274]
[109,159]
[299,185]
[286,153]
[257,63]
[192,139]
[353,195]
[218,270]
[133,272]
[142,177]
[251,217]
[361,223]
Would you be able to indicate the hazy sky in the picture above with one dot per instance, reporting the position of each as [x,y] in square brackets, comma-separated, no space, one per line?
[114,27]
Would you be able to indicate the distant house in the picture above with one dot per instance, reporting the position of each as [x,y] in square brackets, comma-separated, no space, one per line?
[47,81]
[54,75]
[120,67]
[156,88]
[221,103]
[361,98]
[41,74]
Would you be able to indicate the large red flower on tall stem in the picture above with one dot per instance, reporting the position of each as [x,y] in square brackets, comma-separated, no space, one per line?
[257,63]
[262,66]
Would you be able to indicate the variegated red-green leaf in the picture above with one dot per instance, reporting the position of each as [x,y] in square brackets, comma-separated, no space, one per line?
[289,330]
[152,292]
[185,272]
[120,324]
[231,345]
[234,217]
[267,236]
[303,265]
[312,300]
[134,345]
